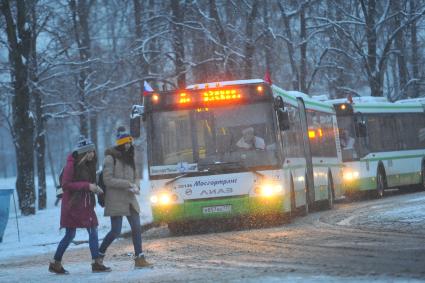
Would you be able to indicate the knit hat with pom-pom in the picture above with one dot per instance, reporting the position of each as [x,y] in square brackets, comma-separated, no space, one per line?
[84,145]
[123,136]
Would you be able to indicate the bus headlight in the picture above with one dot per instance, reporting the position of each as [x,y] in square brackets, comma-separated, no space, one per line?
[350,175]
[269,190]
[163,198]
[154,199]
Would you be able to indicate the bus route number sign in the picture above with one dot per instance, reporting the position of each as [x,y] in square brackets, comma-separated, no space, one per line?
[217,209]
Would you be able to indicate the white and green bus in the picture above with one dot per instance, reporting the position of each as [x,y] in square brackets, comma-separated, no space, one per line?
[321,140]
[382,144]
[234,149]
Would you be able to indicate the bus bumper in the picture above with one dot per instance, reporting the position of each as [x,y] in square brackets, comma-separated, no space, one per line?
[220,208]
[359,185]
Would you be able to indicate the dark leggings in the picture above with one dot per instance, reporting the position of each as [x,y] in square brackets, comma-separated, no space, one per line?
[116,225]
[69,236]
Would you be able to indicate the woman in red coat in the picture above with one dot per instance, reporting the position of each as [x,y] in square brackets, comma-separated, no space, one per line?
[78,202]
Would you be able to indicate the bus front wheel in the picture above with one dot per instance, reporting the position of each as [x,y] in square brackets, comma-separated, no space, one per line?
[293,203]
[306,208]
[422,176]
[380,184]
[330,202]
[177,228]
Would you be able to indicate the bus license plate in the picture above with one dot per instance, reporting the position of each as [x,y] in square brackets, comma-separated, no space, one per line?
[217,209]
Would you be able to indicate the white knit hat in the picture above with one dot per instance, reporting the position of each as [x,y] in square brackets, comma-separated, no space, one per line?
[84,145]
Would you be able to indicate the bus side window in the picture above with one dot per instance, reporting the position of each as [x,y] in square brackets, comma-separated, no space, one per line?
[360,127]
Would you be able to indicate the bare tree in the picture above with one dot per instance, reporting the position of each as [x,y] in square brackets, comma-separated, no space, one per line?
[19,47]
[40,144]
[177,19]
[249,40]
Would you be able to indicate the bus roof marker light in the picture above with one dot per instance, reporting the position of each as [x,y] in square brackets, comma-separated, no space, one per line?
[260,89]
[155,98]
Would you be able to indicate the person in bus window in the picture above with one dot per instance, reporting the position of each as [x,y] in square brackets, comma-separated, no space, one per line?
[250,141]
[347,142]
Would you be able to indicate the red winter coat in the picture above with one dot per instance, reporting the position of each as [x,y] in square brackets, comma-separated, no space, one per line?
[78,202]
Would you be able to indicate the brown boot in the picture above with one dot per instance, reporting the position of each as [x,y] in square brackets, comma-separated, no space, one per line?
[140,261]
[56,267]
[101,257]
[98,266]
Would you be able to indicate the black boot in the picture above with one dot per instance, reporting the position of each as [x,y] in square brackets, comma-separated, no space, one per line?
[55,266]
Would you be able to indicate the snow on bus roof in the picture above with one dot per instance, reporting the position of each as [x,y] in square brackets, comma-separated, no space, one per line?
[224,83]
[298,94]
[412,100]
[321,97]
[292,95]
[361,99]
[370,104]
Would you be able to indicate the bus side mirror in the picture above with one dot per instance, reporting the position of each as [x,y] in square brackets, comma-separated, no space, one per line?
[137,112]
[283,118]
[135,127]
[360,127]
[361,130]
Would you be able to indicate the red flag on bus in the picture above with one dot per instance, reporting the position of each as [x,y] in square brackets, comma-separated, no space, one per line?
[267,77]
[147,89]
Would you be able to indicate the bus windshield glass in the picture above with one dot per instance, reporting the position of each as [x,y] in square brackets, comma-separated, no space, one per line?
[207,139]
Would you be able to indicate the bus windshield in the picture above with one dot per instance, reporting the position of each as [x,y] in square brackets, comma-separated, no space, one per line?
[205,139]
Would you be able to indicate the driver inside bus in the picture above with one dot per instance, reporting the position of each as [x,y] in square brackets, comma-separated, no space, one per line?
[250,141]
[347,142]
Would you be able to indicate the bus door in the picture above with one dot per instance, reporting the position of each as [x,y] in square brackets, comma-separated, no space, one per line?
[307,152]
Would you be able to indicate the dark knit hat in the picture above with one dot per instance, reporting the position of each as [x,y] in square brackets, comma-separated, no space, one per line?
[84,145]
[123,136]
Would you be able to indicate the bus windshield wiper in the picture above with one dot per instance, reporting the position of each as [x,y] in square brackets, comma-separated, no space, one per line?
[241,164]
[219,164]
[176,178]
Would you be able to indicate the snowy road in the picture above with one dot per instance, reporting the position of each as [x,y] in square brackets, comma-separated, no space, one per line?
[381,240]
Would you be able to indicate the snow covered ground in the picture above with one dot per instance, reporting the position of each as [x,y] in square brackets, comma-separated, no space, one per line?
[40,233]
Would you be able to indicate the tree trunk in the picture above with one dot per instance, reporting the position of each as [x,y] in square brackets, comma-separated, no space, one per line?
[303,52]
[290,46]
[415,55]
[139,37]
[51,162]
[268,40]
[223,39]
[177,17]
[401,60]
[249,40]
[372,68]
[22,118]
[40,147]
[80,14]
[93,128]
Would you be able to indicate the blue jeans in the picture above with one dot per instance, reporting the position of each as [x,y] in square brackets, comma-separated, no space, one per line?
[116,225]
[69,236]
